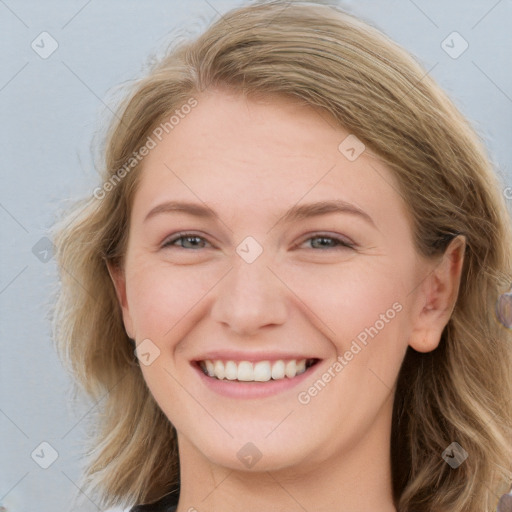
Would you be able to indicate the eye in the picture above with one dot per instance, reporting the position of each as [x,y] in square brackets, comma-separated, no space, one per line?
[194,241]
[328,242]
[186,241]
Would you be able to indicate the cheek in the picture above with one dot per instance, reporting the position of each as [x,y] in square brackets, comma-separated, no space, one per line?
[361,308]
[162,297]
[349,298]
[158,297]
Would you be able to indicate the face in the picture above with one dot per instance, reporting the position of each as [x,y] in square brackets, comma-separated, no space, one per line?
[270,282]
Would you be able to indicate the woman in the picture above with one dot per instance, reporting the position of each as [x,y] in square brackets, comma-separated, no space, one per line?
[284,289]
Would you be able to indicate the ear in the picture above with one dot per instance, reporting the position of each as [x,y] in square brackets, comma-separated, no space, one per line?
[117,275]
[439,292]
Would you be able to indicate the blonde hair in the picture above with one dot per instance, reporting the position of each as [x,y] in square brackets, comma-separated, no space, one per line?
[461,392]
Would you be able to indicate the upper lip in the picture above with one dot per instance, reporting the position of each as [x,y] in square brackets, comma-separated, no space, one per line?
[252,356]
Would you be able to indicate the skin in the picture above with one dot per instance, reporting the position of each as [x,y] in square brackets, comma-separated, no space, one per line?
[250,161]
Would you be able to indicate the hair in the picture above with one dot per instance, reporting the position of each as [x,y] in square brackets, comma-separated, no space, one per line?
[328,59]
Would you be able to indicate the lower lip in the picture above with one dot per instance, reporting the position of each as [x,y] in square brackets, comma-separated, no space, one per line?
[248,390]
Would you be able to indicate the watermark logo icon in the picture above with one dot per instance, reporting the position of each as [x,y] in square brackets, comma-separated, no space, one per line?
[43,249]
[44,455]
[147,352]
[351,147]
[249,455]
[454,45]
[44,45]
[455,455]
[249,249]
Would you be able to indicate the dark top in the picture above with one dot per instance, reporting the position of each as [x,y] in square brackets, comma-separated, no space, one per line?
[167,504]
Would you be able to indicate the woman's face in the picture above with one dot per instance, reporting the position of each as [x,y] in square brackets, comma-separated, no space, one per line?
[263,240]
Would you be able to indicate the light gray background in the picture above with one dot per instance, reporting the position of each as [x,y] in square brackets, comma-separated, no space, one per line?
[50,110]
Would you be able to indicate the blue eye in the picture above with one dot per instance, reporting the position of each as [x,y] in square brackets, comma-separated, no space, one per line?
[193,241]
[329,242]
[187,241]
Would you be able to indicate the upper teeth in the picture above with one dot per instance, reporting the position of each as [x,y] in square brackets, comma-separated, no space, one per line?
[260,371]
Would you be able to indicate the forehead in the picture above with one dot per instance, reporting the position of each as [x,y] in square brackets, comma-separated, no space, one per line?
[269,152]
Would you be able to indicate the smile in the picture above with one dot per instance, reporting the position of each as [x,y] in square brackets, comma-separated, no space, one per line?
[258,371]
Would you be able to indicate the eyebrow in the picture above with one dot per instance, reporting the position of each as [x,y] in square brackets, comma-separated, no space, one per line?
[295,213]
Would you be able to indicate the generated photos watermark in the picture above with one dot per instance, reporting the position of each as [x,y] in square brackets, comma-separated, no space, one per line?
[152,140]
[357,345]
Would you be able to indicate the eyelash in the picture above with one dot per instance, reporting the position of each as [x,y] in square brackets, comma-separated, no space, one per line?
[340,243]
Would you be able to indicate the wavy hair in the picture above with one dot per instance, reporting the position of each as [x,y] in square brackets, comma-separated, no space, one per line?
[323,57]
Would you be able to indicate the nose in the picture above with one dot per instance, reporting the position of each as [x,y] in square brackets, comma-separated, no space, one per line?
[249,297]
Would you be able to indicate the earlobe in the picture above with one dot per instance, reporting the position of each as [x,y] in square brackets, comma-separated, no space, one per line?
[117,276]
[440,290]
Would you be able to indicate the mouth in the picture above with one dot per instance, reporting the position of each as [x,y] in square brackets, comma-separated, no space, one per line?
[255,371]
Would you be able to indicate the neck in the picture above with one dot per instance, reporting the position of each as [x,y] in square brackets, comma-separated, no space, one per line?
[353,478]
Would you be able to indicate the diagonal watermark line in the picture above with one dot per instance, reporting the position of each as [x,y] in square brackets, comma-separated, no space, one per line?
[86,414]
[287,4]
[423,279]
[424,13]
[75,15]
[94,406]
[284,7]
[14,76]
[213,213]
[199,403]
[82,492]
[13,217]
[198,301]
[14,423]
[13,279]
[492,81]
[280,423]
[286,491]
[215,488]
[509,476]
[300,300]
[413,86]
[492,491]
[77,282]
[15,485]
[503,173]
[486,14]
[428,275]
[379,379]
[305,194]
[325,116]
[13,13]
[216,10]
[397,190]
[498,413]
[85,85]
[505,470]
